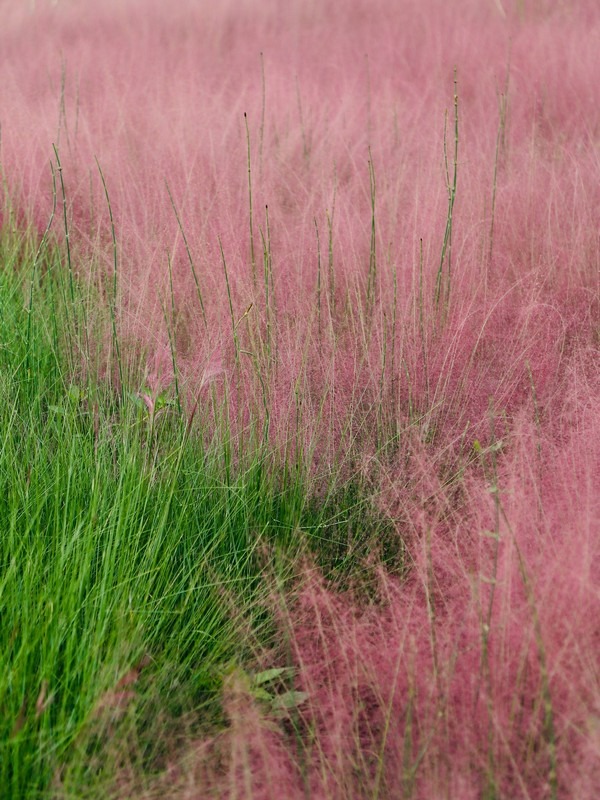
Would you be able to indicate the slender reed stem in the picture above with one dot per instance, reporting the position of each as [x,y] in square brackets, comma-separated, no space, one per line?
[113,300]
[171,335]
[37,258]
[372,279]
[65,222]
[500,145]
[263,104]
[189,255]
[251,223]
[319,318]
[233,323]
[442,291]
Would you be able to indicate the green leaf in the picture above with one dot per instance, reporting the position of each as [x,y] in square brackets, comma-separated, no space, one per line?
[261,694]
[271,674]
[290,700]
[162,401]
[74,393]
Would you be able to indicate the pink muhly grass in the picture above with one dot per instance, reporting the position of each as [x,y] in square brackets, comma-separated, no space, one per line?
[405,698]
[477,675]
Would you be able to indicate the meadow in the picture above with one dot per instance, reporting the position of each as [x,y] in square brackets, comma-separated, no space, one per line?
[299,399]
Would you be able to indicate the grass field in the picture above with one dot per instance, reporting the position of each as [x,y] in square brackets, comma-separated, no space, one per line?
[299,399]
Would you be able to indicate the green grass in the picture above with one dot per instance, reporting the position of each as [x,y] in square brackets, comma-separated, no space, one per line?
[137,552]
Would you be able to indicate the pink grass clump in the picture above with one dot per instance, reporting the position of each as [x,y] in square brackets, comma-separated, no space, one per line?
[479,670]
[476,676]
[473,419]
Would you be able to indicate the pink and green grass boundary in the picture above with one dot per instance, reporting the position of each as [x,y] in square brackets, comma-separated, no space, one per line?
[355,244]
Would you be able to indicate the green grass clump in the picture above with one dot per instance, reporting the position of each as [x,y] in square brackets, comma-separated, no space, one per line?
[132,553]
